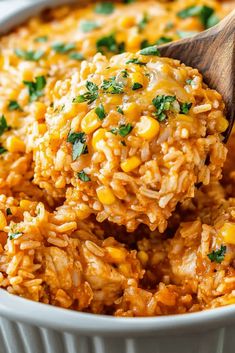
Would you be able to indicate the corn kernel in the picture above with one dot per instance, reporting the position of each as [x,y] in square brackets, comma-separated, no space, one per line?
[130,164]
[25,204]
[147,127]
[133,41]
[39,110]
[98,136]
[42,128]
[83,211]
[228,232]
[27,75]
[14,144]
[3,222]
[105,195]
[132,111]
[137,77]
[222,124]
[116,255]
[90,122]
[127,21]
[143,257]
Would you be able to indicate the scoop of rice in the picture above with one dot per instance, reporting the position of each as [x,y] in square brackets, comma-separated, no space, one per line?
[127,139]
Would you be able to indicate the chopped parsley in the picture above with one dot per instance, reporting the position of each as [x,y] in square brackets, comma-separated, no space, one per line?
[169,26]
[14,105]
[8,212]
[144,44]
[29,55]
[63,48]
[109,43]
[185,107]
[112,86]
[104,8]
[89,26]
[76,56]
[100,112]
[83,176]
[120,110]
[78,140]
[123,130]
[3,125]
[136,85]
[203,12]
[189,81]
[35,88]
[162,104]
[142,24]
[90,96]
[15,235]
[218,255]
[128,1]
[163,40]
[135,61]
[212,21]
[2,150]
[41,39]
[124,73]
[153,50]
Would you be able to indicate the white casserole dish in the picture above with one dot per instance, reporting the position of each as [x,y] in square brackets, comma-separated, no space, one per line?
[27,327]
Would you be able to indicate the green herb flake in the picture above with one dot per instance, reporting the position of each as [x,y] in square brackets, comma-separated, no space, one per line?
[14,105]
[78,140]
[3,125]
[8,212]
[89,26]
[135,61]
[76,56]
[35,88]
[189,81]
[185,107]
[212,21]
[90,96]
[104,8]
[203,12]
[100,112]
[144,44]
[163,40]
[128,1]
[169,26]
[163,104]
[124,73]
[29,55]
[15,235]
[136,86]
[41,39]
[153,50]
[63,48]
[2,150]
[218,255]
[109,43]
[112,86]
[142,24]
[120,110]
[83,176]
[124,130]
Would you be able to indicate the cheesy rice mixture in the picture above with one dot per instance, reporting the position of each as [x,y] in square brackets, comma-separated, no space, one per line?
[112,198]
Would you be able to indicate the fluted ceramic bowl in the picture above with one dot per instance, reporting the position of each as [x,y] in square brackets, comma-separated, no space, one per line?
[29,327]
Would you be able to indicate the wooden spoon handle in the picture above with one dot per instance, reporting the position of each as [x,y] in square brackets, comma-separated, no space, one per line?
[212,52]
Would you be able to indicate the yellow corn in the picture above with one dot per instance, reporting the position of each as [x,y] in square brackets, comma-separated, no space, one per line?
[126,21]
[116,255]
[25,204]
[39,110]
[137,77]
[143,257]
[133,41]
[42,128]
[228,232]
[147,127]
[130,164]
[14,144]
[90,122]
[105,195]
[98,136]
[83,211]
[222,124]
[27,74]
[132,111]
[3,222]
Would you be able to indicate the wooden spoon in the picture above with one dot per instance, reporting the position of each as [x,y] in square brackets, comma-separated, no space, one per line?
[212,52]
